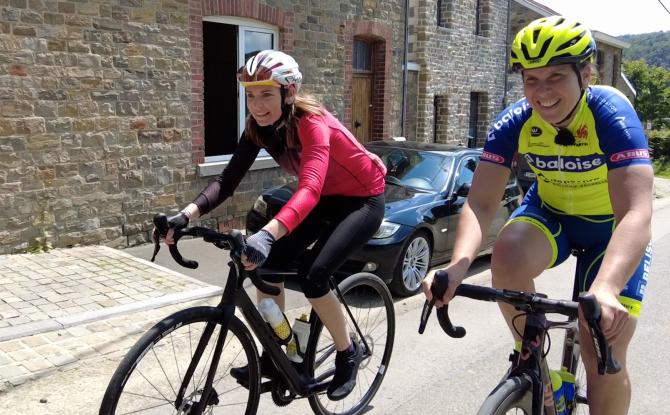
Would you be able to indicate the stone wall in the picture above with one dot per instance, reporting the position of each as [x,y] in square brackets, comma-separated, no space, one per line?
[455,62]
[100,107]
[94,119]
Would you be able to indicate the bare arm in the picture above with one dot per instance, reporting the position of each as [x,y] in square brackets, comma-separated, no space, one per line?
[631,195]
[478,211]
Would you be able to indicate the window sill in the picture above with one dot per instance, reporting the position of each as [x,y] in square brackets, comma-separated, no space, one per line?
[215,168]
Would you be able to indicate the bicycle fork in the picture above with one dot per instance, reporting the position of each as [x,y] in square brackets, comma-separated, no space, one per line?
[200,348]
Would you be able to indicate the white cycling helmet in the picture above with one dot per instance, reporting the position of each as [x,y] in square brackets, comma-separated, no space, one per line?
[270,67]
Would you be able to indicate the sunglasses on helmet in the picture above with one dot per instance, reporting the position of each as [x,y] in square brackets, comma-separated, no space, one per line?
[262,76]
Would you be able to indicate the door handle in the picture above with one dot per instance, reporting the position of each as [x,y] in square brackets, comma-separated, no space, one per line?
[357,124]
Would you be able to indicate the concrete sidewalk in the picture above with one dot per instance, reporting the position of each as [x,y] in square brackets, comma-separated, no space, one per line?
[67,307]
[57,307]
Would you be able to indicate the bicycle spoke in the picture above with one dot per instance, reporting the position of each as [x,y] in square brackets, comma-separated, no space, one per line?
[174,353]
[157,369]
[155,388]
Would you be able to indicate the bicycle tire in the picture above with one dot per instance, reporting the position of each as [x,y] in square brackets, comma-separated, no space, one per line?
[371,304]
[165,344]
[579,407]
[512,393]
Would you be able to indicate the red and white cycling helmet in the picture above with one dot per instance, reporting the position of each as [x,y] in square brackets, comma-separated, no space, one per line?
[270,67]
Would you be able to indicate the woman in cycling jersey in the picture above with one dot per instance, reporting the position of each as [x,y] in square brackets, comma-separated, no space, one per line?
[338,204]
[593,193]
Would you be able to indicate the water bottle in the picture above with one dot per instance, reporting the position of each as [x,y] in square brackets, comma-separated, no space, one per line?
[292,350]
[568,387]
[301,332]
[557,388]
[277,320]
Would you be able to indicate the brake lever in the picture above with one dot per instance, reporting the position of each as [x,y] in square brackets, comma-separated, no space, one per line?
[437,288]
[591,309]
[157,243]
[160,229]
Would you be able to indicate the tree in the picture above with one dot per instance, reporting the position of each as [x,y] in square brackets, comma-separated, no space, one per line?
[652,84]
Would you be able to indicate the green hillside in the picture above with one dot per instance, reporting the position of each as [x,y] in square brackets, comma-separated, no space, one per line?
[654,48]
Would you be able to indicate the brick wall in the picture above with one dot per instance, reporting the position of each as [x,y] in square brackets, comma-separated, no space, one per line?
[101,106]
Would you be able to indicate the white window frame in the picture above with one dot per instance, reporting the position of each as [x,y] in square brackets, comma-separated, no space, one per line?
[214,164]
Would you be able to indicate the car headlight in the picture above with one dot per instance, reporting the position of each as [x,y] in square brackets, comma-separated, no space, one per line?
[261,207]
[385,230]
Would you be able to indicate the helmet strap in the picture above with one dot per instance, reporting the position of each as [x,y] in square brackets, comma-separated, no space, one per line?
[285,109]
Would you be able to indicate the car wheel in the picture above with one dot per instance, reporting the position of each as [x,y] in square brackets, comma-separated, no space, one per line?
[412,266]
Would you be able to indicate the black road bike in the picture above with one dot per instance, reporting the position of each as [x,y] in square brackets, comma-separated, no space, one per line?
[526,387]
[182,364]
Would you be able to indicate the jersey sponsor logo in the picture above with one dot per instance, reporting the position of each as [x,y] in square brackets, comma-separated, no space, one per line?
[505,118]
[639,153]
[565,163]
[496,158]
[535,132]
[491,136]
[582,132]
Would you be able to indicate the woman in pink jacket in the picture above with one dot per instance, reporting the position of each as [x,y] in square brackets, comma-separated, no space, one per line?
[338,205]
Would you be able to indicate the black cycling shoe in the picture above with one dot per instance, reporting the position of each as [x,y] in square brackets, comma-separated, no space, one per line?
[268,370]
[346,369]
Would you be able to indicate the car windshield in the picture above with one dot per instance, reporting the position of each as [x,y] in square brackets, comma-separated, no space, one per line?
[422,170]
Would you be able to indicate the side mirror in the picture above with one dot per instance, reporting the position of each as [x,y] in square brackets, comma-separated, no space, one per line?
[463,190]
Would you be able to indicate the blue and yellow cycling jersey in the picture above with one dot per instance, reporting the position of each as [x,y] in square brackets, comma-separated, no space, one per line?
[573,178]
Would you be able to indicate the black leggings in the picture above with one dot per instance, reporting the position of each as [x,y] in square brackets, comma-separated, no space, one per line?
[338,226]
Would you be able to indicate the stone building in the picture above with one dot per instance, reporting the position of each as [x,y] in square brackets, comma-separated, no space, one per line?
[113,110]
[459,47]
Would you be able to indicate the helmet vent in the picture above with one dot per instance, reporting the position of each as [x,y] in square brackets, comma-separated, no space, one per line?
[545,46]
[536,34]
[570,42]
[559,22]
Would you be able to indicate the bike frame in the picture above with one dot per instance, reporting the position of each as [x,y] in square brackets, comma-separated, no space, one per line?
[234,296]
[533,365]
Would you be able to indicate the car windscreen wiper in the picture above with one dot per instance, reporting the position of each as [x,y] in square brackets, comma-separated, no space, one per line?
[395,181]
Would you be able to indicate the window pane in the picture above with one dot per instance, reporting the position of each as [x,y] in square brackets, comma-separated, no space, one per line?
[362,56]
[474,114]
[255,42]
[466,172]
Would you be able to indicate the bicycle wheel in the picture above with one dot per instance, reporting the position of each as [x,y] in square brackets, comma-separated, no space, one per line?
[148,378]
[371,305]
[511,396]
[579,405]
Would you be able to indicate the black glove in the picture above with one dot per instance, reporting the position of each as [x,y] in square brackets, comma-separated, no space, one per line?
[178,221]
[258,247]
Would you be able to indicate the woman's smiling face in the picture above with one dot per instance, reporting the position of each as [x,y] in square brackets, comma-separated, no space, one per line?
[553,91]
[264,103]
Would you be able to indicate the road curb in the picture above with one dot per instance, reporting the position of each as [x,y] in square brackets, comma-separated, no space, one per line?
[39,327]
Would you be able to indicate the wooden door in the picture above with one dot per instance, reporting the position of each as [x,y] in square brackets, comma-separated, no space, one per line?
[362,106]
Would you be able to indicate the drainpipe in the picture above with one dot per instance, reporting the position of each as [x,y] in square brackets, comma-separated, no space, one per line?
[404,72]
[507,44]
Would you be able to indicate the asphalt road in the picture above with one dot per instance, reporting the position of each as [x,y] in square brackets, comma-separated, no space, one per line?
[429,373]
